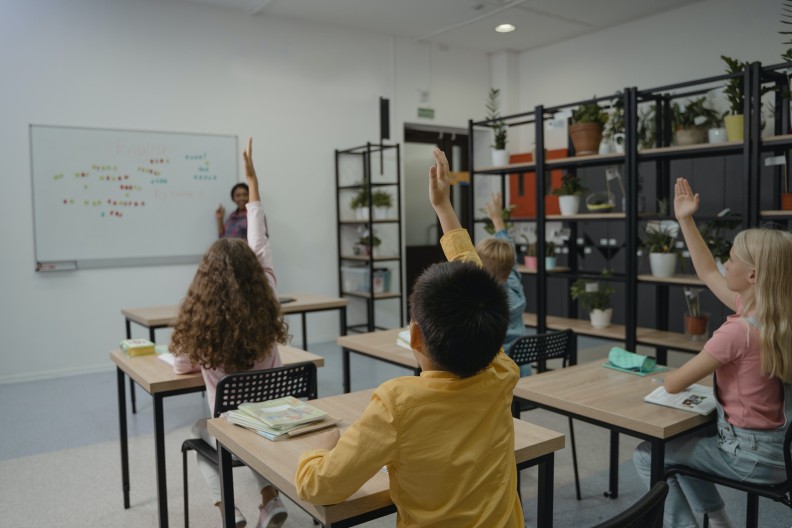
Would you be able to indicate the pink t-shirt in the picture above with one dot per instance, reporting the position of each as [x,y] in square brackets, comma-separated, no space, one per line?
[750,399]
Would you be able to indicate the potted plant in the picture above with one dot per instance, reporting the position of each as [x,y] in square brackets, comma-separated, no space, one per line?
[646,128]
[550,254]
[614,128]
[499,155]
[660,243]
[735,93]
[595,299]
[586,128]
[530,259]
[690,123]
[696,321]
[381,201]
[569,193]
[718,244]
[369,244]
[360,204]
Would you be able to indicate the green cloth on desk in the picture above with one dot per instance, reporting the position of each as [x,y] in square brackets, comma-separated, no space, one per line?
[625,361]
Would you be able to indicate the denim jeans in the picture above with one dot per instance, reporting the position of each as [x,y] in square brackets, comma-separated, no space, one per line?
[740,454]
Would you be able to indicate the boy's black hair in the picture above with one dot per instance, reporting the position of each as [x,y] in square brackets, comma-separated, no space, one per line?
[239,186]
[463,314]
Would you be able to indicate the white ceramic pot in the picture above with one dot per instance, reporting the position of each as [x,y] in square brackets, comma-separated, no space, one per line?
[601,318]
[362,213]
[380,213]
[716,135]
[605,147]
[569,204]
[500,158]
[662,264]
[550,263]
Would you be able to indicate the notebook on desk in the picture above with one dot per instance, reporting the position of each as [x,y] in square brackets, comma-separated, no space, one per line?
[285,300]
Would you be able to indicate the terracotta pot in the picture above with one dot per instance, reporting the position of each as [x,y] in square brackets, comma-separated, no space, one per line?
[786,201]
[696,327]
[586,138]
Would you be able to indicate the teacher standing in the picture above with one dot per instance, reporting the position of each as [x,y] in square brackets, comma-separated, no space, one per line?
[236,224]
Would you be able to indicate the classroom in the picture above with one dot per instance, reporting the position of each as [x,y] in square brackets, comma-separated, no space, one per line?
[307,81]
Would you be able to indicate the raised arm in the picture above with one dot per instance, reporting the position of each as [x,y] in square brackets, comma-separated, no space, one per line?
[257,232]
[494,212]
[440,193]
[685,205]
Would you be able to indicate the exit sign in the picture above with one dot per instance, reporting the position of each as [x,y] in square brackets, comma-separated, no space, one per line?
[426,112]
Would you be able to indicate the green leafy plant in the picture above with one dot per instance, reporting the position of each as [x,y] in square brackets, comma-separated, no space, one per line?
[695,114]
[646,127]
[590,298]
[370,241]
[734,87]
[661,239]
[360,199]
[493,115]
[550,248]
[505,215]
[589,113]
[712,232]
[615,124]
[570,185]
[381,199]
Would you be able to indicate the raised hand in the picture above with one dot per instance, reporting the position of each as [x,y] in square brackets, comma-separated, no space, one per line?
[439,187]
[220,213]
[685,202]
[250,172]
[494,211]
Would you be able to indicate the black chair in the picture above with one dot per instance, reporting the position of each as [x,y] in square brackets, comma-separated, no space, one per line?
[536,350]
[298,380]
[781,492]
[646,513]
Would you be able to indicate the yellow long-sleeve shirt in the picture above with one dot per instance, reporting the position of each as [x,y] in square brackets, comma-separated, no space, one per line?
[448,444]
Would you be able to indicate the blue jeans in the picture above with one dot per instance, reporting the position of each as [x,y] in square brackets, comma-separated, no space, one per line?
[741,454]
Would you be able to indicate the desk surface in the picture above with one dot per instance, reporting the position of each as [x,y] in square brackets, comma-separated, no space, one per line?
[277,461]
[610,396]
[166,315]
[381,345]
[155,375]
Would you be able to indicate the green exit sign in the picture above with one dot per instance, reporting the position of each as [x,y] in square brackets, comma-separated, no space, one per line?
[426,112]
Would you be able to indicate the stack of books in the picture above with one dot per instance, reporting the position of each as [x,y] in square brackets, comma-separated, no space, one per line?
[281,418]
[138,347]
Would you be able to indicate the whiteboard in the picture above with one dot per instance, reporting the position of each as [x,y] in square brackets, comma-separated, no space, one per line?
[104,197]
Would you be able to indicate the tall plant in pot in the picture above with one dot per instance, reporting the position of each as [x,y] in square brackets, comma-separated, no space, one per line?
[660,242]
[569,193]
[381,201]
[585,130]
[595,298]
[735,93]
[691,121]
[499,155]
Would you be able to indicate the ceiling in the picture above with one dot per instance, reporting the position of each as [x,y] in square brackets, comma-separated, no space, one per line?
[467,24]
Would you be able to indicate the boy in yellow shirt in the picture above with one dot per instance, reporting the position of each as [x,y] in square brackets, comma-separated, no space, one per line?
[446,436]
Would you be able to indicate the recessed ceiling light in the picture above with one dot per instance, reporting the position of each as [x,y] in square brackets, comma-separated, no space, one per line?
[505,28]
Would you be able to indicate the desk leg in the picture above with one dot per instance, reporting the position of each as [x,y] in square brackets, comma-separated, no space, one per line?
[343,316]
[345,352]
[159,442]
[122,428]
[613,492]
[226,486]
[544,512]
[658,461]
[131,383]
[304,332]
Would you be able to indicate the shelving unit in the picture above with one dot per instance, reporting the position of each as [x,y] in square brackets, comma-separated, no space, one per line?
[757,204]
[367,283]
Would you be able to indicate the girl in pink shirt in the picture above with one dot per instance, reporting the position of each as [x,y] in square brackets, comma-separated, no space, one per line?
[230,321]
[752,366]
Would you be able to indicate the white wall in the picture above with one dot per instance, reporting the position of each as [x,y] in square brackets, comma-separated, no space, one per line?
[299,90]
[676,46]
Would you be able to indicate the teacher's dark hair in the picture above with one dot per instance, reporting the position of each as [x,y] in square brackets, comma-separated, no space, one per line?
[239,186]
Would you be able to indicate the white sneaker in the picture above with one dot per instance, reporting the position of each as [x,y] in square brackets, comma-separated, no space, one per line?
[272,515]
[239,519]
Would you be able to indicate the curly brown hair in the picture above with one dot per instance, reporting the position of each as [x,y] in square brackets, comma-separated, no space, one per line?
[230,317]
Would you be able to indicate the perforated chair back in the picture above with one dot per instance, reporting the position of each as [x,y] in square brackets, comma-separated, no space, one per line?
[646,513]
[298,380]
[541,347]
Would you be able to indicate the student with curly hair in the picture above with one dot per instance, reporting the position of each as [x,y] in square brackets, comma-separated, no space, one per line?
[231,321]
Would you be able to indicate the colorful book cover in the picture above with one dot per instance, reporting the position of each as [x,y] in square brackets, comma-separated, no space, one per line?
[283,413]
[138,347]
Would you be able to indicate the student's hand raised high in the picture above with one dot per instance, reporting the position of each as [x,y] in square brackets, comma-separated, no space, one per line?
[440,192]
[685,202]
[250,172]
[494,211]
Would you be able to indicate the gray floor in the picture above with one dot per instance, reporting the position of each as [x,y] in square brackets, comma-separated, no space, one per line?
[59,446]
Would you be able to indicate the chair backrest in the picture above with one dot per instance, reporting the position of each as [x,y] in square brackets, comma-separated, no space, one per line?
[298,380]
[646,513]
[541,347]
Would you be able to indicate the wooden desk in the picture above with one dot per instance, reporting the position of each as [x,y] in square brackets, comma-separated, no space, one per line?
[277,462]
[379,345]
[155,317]
[158,379]
[614,400]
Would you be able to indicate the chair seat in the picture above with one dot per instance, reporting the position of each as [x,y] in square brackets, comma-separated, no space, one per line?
[776,492]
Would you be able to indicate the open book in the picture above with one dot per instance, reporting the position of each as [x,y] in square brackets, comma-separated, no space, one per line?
[696,398]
